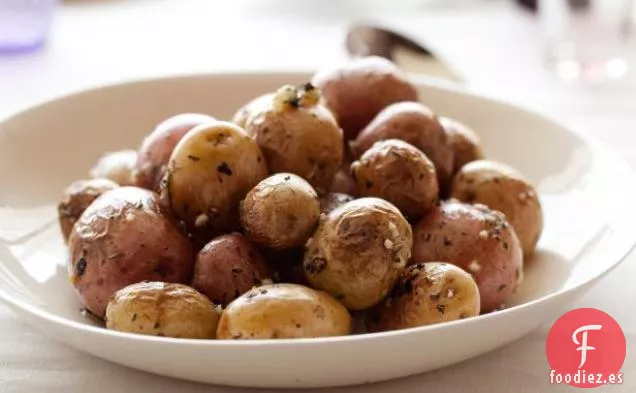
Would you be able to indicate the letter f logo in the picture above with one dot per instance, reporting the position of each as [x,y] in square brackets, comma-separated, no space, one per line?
[584,347]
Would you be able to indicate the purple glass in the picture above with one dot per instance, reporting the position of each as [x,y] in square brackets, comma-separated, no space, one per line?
[24,24]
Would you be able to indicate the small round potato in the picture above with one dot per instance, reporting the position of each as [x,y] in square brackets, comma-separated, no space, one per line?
[116,166]
[464,141]
[416,124]
[227,267]
[427,293]
[210,171]
[358,252]
[400,173]
[284,311]
[162,309]
[333,200]
[343,183]
[358,90]
[503,188]
[241,116]
[478,240]
[280,212]
[125,236]
[299,135]
[157,147]
[76,199]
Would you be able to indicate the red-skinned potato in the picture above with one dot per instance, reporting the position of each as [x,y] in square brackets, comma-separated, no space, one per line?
[464,141]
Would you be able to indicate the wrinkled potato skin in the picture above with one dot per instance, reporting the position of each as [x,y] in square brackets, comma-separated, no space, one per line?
[358,90]
[125,237]
[227,267]
[210,171]
[281,212]
[162,309]
[478,240]
[464,141]
[76,198]
[427,293]
[333,200]
[503,188]
[156,148]
[399,173]
[358,252]
[241,116]
[283,311]
[118,166]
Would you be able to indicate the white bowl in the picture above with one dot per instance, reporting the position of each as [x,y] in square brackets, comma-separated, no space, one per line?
[583,186]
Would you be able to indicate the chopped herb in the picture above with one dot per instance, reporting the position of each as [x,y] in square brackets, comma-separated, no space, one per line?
[80,267]
[441,308]
[501,287]
[194,158]
[447,242]
[224,168]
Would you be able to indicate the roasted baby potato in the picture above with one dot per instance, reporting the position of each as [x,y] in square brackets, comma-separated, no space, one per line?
[162,309]
[210,171]
[464,141]
[427,293]
[357,91]
[283,311]
[76,199]
[125,236]
[241,116]
[333,200]
[503,188]
[156,148]
[116,166]
[358,252]
[298,135]
[280,212]
[227,267]
[343,183]
[399,173]
[477,239]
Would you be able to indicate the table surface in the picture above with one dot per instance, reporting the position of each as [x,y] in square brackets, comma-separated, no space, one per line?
[493,45]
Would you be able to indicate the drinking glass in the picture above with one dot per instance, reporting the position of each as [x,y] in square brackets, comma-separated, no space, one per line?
[24,24]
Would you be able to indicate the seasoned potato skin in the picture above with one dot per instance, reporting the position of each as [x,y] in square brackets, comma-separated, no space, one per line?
[503,188]
[299,136]
[464,141]
[427,293]
[117,166]
[358,252]
[398,172]
[478,240]
[333,200]
[416,124]
[358,90]
[280,212]
[76,199]
[162,309]
[124,237]
[156,148]
[210,171]
[283,311]
[241,116]
[227,267]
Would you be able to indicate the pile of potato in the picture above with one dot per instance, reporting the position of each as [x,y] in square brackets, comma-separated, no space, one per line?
[343,196]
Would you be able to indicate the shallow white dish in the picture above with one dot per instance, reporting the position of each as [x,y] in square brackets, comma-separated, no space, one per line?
[43,149]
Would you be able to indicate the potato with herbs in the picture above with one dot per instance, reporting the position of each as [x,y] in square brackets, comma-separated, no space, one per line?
[77,197]
[426,294]
[116,166]
[503,188]
[333,200]
[358,252]
[123,237]
[413,123]
[156,148]
[464,141]
[227,267]
[358,90]
[399,173]
[298,135]
[241,116]
[478,240]
[283,311]
[210,171]
[162,309]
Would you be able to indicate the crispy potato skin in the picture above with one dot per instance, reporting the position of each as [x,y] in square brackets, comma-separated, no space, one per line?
[476,239]
[427,293]
[162,309]
[464,141]
[398,172]
[125,237]
[156,148]
[281,212]
[242,116]
[210,171]
[333,200]
[117,166]
[283,311]
[76,198]
[357,91]
[416,124]
[227,267]
[358,252]
[503,188]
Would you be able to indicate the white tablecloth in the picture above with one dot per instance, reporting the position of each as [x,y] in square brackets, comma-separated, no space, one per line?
[95,42]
